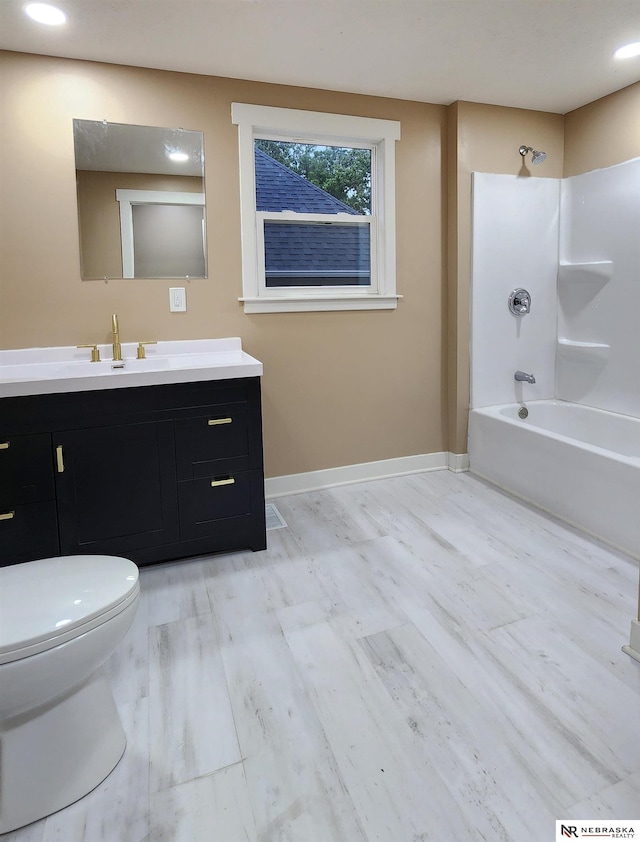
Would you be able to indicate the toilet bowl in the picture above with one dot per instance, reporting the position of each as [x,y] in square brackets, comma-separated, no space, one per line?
[60,733]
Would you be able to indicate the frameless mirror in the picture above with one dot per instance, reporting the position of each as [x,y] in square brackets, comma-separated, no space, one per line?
[141,206]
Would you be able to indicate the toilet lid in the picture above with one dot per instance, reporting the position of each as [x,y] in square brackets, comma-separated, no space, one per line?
[47,599]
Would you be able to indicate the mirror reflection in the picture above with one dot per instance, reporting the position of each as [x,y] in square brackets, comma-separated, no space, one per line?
[141,206]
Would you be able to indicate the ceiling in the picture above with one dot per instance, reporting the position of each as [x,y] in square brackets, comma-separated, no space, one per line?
[548,55]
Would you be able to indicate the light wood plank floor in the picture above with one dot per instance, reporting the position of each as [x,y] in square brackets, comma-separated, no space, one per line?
[412,659]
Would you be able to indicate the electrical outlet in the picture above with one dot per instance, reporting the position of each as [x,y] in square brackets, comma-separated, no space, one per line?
[177,300]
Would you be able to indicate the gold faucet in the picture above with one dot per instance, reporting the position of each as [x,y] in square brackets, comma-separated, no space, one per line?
[117,347]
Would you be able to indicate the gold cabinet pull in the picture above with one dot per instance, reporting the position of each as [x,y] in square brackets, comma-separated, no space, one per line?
[4,445]
[216,482]
[213,422]
[60,459]
[7,516]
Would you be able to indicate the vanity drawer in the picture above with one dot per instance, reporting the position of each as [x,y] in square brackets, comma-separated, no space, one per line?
[26,469]
[210,504]
[28,532]
[213,443]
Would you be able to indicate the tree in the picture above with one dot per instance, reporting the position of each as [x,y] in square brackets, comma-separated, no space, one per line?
[342,172]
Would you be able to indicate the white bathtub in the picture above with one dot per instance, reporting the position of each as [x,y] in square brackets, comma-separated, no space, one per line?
[580,464]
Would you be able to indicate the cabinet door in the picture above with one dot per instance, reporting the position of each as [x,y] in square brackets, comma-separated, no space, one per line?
[28,521]
[26,469]
[28,531]
[116,488]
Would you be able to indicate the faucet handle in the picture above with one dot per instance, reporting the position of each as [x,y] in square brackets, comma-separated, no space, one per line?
[95,352]
[140,352]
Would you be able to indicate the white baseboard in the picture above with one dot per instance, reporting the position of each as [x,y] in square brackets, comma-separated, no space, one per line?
[633,648]
[458,462]
[347,474]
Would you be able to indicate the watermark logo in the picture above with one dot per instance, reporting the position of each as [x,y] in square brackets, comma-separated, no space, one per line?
[597,829]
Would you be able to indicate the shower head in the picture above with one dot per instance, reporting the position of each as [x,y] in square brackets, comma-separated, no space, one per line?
[536,156]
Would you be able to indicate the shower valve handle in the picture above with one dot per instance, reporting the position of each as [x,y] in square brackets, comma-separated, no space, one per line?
[520,302]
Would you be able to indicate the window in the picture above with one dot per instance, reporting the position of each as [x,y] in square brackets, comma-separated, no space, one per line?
[318,210]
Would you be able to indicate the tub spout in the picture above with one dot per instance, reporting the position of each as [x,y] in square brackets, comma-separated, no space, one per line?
[522,376]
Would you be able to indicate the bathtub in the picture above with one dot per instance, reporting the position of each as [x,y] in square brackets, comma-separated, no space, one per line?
[578,463]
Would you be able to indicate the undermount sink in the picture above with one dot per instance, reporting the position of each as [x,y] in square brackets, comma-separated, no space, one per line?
[32,371]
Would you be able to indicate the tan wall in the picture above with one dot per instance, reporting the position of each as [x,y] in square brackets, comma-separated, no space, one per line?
[338,388]
[603,133]
[99,214]
[483,138]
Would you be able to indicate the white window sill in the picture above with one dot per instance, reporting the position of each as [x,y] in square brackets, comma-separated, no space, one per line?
[306,304]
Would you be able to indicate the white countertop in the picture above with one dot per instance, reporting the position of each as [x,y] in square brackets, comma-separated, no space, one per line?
[43,371]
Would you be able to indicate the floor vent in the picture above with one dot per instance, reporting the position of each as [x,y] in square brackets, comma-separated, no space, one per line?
[274,518]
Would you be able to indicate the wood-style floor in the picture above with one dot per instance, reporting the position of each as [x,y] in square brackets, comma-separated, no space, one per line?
[412,659]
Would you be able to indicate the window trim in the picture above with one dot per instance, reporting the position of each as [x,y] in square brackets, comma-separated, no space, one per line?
[272,123]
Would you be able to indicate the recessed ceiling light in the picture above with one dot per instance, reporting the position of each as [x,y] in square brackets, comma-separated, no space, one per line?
[178,156]
[628,51]
[44,13]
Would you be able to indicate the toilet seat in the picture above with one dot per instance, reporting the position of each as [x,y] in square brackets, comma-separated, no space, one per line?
[45,603]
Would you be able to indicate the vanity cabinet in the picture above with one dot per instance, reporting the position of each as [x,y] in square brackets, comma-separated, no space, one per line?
[152,473]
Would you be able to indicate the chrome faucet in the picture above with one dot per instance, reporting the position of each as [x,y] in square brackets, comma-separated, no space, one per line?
[521,376]
[117,347]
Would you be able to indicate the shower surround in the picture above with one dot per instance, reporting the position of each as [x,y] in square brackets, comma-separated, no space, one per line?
[574,244]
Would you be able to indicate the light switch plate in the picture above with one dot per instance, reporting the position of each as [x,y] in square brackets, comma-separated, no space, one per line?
[177,299]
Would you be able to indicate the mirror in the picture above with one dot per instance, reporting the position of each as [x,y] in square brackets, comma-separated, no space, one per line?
[141,205]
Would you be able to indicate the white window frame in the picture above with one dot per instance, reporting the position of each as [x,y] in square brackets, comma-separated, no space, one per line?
[270,123]
[128,198]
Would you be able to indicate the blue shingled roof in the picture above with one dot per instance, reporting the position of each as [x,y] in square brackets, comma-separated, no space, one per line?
[303,254]
[278,189]
[310,254]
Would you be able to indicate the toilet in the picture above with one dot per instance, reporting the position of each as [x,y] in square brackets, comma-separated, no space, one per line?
[60,732]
